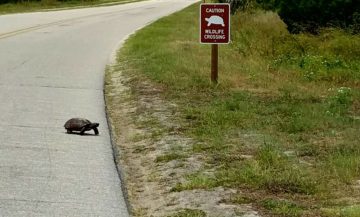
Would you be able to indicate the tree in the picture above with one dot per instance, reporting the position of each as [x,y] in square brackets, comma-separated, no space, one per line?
[236,4]
[311,15]
[308,15]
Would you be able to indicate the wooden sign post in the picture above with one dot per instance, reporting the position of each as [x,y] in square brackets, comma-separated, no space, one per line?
[214,30]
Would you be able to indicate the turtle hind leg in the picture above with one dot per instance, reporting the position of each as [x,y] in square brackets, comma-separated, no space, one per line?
[96,131]
[68,131]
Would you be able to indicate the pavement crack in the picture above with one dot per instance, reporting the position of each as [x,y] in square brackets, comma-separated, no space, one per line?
[43,201]
[51,86]
[72,88]
[26,126]
[18,65]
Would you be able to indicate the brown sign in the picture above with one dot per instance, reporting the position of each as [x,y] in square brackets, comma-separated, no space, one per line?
[215,23]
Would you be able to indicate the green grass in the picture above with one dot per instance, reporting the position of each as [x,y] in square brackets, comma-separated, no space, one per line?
[189,213]
[196,181]
[239,199]
[290,102]
[351,211]
[282,207]
[30,6]
[348,211]
[169,157]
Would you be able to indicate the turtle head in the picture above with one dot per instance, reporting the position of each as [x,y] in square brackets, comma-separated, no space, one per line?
[93,125]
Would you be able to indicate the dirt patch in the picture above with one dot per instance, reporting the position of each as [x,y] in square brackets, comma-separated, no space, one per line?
[154,155]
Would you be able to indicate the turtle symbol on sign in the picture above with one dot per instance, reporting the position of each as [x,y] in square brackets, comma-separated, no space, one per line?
[216,20]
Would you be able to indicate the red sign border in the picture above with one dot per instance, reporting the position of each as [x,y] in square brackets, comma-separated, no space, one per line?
[229,22]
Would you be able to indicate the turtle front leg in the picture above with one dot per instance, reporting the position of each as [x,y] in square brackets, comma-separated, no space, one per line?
[96,131]
[69,131]
[82,131]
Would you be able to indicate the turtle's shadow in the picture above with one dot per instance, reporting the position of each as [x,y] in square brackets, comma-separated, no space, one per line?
[85,134]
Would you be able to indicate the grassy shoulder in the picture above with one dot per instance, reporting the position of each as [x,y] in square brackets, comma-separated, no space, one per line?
[31,6]
[281,127]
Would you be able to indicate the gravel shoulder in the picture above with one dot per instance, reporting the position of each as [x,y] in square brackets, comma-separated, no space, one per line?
[154,154]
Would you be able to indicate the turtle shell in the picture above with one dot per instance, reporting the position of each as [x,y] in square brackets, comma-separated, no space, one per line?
[216,20]
[76,123]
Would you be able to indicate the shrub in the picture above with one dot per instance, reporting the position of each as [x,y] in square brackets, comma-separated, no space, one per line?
[312,15]
[340,101]
[259,33]
[237,4]
[309,15]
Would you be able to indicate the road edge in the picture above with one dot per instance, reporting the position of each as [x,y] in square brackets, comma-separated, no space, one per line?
[115,148]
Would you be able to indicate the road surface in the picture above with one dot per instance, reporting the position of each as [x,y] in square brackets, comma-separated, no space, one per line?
[51,69]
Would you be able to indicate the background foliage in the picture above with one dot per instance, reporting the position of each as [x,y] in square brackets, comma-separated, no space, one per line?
[309,15]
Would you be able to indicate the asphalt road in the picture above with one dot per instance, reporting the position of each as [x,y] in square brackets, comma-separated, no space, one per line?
[51,69]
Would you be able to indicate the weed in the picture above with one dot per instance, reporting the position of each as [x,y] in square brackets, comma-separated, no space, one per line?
[239,199]
[270,170]
[169,157]
[282,207]
[352,211]
[343,164]
[189,213]
[340,101]
[196,181]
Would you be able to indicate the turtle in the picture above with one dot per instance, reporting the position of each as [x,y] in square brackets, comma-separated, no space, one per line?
[82,125]
[217,20]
